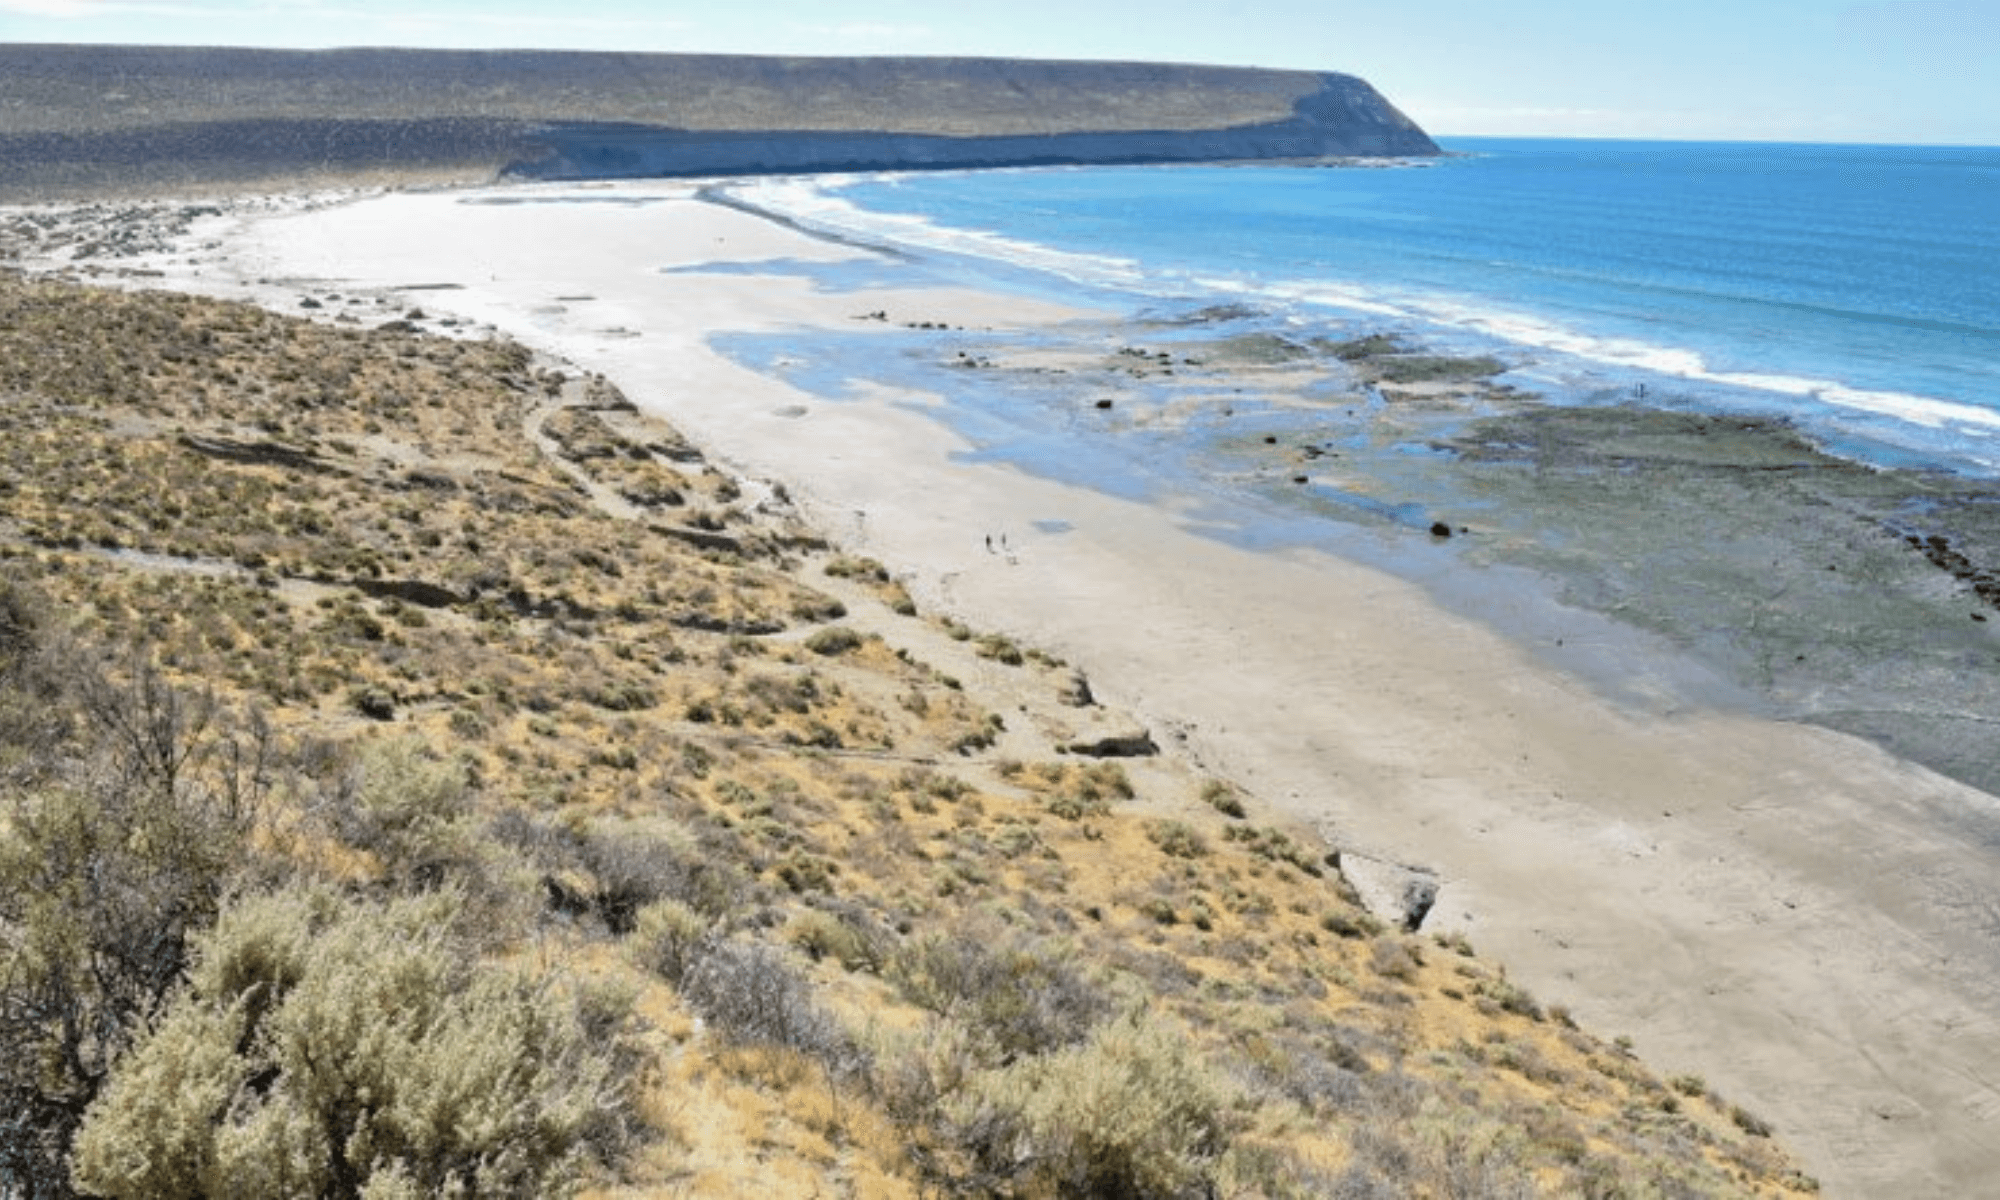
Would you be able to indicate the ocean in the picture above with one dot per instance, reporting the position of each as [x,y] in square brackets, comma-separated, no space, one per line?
[1848,289]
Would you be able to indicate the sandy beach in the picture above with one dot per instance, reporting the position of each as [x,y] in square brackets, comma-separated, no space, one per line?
[1796,915]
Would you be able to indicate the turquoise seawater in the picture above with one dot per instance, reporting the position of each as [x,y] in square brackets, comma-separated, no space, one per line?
[1854,289]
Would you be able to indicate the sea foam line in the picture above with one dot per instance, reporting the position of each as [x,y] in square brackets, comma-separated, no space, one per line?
[817,204]
[1681,363]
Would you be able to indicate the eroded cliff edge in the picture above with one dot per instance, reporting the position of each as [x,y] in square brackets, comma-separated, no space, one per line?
[115,120]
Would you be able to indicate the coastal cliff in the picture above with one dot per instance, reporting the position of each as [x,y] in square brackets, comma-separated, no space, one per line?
[112,120]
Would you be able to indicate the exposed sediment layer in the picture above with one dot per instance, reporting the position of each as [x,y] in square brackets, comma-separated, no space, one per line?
[104,120]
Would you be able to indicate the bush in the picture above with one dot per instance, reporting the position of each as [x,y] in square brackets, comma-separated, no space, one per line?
[1176,839]
[407,806]
[850,567]
[1000,649]
[1015,997]
[616,873]
[1394,958]
[1749,1122]
[834,641]
[1224,799]
[752,997]
[333,1050]
[118,852]
[1353,924]
[669,937]
[848,937]
[1126,1114]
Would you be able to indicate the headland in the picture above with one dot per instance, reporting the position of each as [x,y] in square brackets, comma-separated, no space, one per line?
[83,121]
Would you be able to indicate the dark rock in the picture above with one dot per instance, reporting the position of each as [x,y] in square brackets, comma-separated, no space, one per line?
[1419,895]
[1440,530]
[261,454]
[414,591]
[434,481]
[375,704]
[710,623]
[704,539]
[1133,744]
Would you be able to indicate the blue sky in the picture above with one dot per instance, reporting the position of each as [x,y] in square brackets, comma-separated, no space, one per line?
[1797,70]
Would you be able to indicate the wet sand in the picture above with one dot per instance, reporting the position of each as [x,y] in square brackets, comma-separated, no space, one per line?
[1792,912]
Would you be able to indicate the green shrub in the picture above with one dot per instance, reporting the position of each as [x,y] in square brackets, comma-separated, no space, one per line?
[838,639]
[1224,799]
[1000,649]
[1749,1122]
[1351,923]
[847,937]
[1128,1113]
[1014,996]
[130,829]
[1177,839]
[1511,997]
[1394,958]
[324,1048]
[408,806]
[750,996]
[669,937]
[848,566]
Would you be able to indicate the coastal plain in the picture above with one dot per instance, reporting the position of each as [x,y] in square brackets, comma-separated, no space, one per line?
[1792,913]
[845,894]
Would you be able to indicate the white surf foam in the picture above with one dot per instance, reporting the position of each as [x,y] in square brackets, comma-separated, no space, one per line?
[817,204]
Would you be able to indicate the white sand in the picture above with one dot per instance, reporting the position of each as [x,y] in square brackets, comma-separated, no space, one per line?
[1783,910]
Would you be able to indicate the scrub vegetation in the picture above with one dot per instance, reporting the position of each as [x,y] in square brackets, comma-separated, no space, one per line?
[422,774]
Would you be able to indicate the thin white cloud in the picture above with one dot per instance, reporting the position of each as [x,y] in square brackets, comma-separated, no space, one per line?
[868,33]
[307,22]
[53,8]
[91,9]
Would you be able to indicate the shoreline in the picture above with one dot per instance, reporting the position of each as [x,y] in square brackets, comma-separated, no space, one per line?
[1772,905]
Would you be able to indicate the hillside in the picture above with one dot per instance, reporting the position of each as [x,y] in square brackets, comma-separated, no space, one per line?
[352,669]
[109,120]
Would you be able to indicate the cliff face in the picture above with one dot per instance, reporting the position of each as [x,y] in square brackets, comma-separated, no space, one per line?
[1345,118]
[104,119]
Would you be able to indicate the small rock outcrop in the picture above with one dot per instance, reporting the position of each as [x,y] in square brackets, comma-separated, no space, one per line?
[1134,743]
[1402,896]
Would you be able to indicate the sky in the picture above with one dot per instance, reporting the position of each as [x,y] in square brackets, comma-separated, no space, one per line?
[1913,71]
